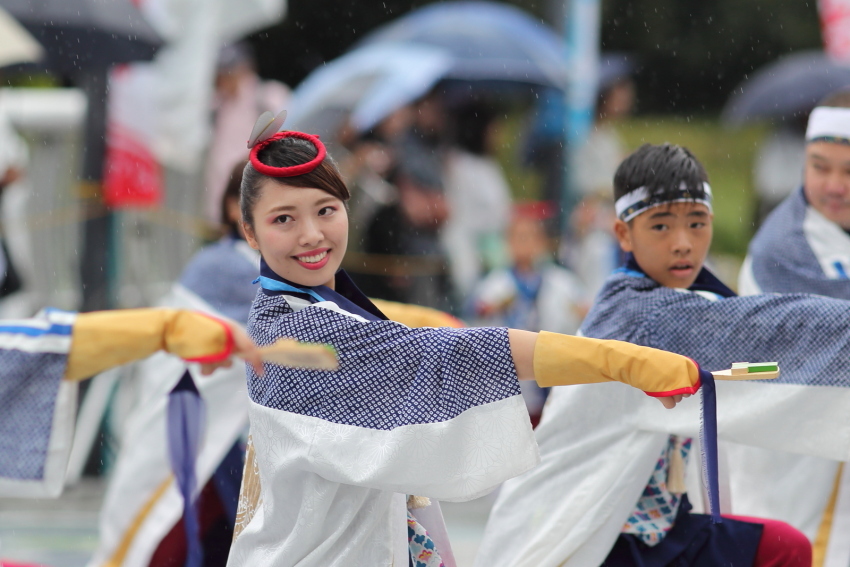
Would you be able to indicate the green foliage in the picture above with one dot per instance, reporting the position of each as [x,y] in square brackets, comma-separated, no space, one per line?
[693,54]
[726,154]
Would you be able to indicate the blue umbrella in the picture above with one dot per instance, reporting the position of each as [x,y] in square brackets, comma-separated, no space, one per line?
[791,85]
[488,41]
[365,85]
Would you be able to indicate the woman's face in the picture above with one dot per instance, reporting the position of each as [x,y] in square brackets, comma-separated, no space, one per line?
[302,233]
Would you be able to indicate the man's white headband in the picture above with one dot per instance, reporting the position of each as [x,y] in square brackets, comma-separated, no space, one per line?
[829,124]
[635,202]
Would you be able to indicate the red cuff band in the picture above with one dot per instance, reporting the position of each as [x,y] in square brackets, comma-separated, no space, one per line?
[293,170]
[689,390]
[229,343]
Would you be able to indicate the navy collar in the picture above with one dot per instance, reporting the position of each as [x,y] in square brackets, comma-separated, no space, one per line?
[706,281]
[346,294]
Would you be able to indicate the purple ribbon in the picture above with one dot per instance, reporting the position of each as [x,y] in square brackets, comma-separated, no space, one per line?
[708,441]
[186,416]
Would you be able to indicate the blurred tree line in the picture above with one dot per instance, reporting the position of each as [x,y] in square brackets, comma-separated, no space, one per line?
[691,55]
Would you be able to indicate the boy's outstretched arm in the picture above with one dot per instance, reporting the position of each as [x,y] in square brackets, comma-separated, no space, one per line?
[553,359]
[105,339]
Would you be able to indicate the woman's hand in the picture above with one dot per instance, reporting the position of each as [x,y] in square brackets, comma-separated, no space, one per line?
[243,347]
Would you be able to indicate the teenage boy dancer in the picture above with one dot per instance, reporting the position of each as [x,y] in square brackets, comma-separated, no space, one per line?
[589,502]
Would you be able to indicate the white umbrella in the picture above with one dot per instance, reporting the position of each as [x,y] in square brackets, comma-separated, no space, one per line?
[367,84]
[16,44]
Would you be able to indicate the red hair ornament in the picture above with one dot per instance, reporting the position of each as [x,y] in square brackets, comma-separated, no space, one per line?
[266,131]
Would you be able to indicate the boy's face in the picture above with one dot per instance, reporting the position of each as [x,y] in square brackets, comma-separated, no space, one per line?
[670,241]
[827,180]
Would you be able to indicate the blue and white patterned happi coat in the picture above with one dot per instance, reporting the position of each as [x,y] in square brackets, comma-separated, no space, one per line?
[33,357]
[797,250]
[432,412]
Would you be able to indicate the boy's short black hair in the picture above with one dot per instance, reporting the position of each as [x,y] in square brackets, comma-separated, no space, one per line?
[663,170]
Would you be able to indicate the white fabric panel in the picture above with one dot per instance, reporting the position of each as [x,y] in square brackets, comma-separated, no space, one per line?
[569,510]
[838,548]
[355,479]
[829,242]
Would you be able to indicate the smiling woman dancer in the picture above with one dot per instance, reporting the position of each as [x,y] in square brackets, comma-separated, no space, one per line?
[432,411]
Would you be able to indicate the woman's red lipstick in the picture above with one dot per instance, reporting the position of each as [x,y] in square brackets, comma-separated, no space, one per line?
[312,253]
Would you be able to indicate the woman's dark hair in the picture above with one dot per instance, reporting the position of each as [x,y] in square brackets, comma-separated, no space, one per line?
[232,191]
[662,170]
[285,153]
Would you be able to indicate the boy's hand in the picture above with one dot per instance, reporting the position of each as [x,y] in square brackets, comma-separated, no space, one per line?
[243,347]
[671,401]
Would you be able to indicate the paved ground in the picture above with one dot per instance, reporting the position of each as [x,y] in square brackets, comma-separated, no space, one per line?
[63,532]
[56,533]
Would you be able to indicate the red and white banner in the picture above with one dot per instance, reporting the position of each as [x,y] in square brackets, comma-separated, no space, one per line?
[159,112]
[835,27]
[132,175]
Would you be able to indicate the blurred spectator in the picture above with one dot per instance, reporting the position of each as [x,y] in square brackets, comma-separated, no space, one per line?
[545,147]
[598,159]
[778,166]
[479,199]
[370,159]
[429,124]
[591,248]
[533,293]
[405,260]
[13,162]
[240,97]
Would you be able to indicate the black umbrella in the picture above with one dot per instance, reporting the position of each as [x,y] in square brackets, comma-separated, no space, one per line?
[791,85]
[84,34]
[82,39]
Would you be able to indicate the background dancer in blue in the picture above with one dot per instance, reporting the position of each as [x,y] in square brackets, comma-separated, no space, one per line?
[804,246]
[41,357]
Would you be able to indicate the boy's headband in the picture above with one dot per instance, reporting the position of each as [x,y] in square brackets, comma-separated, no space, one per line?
[829,124]
[635,202]
[266,131]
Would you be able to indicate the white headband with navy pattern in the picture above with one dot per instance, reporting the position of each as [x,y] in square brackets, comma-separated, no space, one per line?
[635,202]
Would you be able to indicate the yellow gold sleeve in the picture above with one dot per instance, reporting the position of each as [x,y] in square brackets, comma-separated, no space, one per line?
[105,339]
[415,316]
[561,360]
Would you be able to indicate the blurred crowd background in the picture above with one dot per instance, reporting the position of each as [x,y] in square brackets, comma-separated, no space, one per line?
[479,138]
